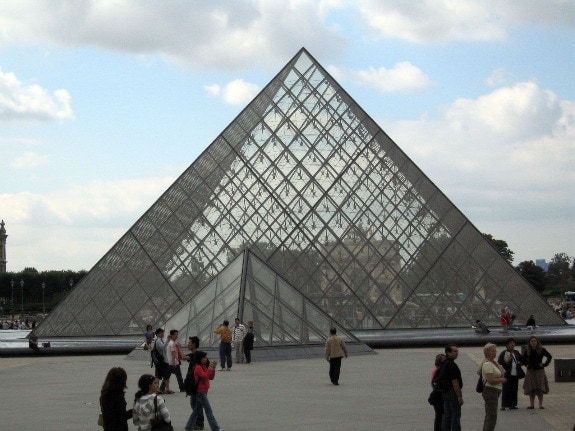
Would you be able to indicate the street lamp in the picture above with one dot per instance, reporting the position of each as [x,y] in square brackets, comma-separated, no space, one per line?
[12,300]
[22,305]
[43,303]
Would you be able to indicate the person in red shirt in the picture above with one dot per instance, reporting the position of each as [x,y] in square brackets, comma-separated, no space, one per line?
[204,371]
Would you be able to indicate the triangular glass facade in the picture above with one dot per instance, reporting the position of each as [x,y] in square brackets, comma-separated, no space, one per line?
[306,179]
[249,289]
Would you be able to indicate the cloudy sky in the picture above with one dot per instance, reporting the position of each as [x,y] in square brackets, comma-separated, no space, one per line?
[104,103]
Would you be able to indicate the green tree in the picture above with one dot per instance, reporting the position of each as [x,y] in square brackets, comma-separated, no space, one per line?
[533,274]
[560,274]
[501,246]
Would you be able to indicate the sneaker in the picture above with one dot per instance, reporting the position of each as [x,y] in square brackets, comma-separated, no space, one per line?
[222,369]
[227,369]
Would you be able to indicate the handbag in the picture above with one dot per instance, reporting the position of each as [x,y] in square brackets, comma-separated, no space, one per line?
[158,423]
[100,420]
[479,385]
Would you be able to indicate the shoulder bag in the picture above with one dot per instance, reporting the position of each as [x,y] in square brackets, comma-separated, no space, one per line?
[158,423]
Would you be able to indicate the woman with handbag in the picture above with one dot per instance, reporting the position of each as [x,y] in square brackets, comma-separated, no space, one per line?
[148,406]
[492,376]
[113,402]
[511,360]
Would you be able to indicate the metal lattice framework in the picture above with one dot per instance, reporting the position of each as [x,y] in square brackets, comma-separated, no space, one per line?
[305,179]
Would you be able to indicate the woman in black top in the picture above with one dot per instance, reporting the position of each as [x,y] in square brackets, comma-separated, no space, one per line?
[535,383]
[113,402]
[511,360]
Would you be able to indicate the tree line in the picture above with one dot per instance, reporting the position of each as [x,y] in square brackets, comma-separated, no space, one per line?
[553,282]
[33,292]
[30,292]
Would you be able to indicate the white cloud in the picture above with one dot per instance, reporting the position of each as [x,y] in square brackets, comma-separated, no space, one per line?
[435,21]
[207,35]
[512,150]
[239,92]
[76,225]
[506,160]
[523,111]
[236,92]
[404,76]
[31,102]
[29,160]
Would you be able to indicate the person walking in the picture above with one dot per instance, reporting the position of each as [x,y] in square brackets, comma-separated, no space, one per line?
[335,350]
[203,373]
[160,361]
[173,350]
[113,401]
[452,395]
[147,402]
[536,383]
[511,360]
[193,346]
[238,335]
[492,375]
[225,334]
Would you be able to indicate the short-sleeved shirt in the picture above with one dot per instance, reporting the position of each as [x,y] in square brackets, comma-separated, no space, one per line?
[452,372]
[490,368]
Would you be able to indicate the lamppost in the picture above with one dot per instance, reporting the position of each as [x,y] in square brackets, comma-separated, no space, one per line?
[43,303]
[22,304]
[12,300]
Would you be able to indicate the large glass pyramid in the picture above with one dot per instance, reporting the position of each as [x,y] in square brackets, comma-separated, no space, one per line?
[308,181]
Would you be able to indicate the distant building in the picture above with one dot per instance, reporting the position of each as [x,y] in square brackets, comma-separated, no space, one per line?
[541,263]
[3,237]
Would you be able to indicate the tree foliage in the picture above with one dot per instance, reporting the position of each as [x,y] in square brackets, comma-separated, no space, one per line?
[501,247]
[30,296]
[534,274]
[560,273]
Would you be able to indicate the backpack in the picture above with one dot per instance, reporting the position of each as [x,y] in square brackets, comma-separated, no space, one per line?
[441,380]
[226,336]
[157,357]
[190,384]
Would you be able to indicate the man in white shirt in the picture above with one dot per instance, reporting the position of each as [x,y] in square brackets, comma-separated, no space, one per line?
[238,334]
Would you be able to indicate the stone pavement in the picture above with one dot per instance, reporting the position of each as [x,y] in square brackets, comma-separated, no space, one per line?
[383,392]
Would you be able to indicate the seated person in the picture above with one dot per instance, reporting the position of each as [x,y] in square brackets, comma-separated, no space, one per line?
[481,328]
[33,341]
[512,324]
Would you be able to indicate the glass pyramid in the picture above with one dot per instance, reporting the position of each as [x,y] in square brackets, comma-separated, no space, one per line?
[251,290]
[309,182]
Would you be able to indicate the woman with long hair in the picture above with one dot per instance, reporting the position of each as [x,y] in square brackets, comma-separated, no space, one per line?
[535,383]
[147,402]
[492,375]
[113,401]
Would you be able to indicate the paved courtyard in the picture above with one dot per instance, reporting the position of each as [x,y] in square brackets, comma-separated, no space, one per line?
[383,392]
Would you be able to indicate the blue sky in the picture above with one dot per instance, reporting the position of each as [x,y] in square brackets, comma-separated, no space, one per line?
[104,103]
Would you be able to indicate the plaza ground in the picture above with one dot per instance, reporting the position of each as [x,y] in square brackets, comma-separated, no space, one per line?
[383,392]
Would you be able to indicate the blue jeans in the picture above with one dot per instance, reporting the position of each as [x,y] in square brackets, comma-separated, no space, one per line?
[200,416]
[451,420]
[202,403]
